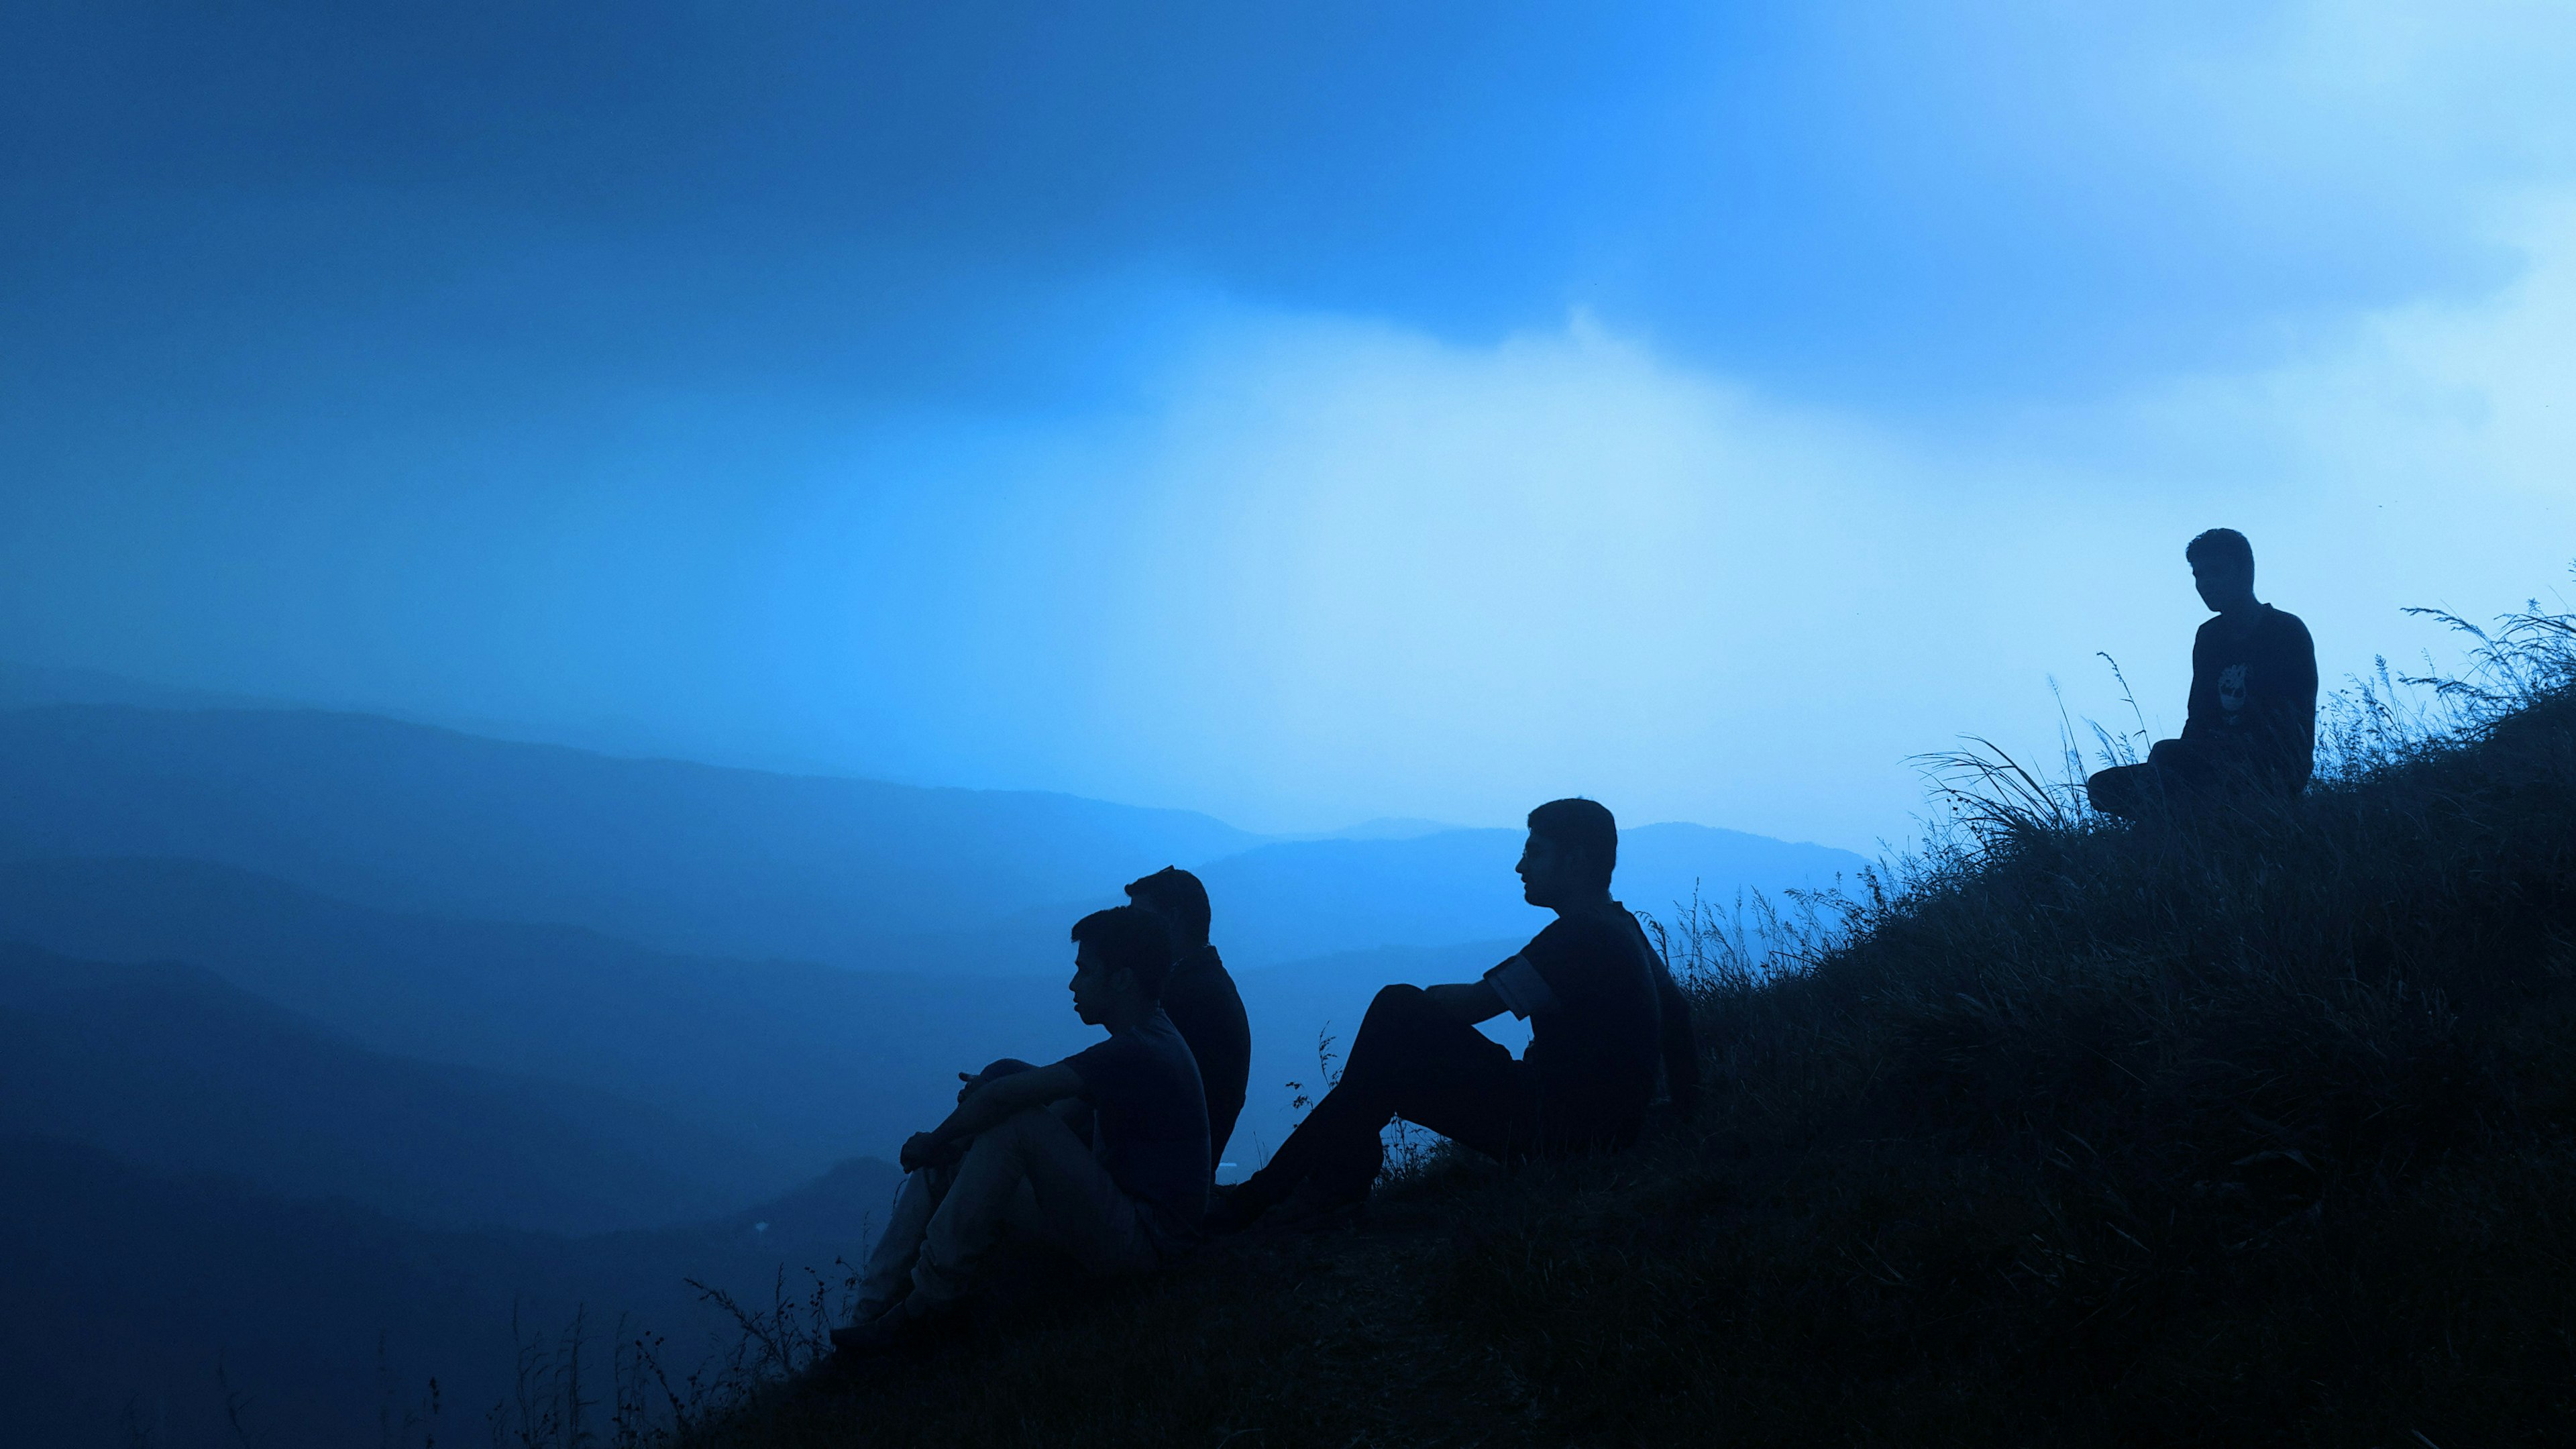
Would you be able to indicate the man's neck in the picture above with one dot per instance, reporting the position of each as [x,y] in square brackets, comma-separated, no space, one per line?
[1123,1016]
[2240,617]
[1586,904]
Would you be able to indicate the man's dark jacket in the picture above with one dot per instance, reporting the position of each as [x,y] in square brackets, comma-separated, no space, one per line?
[2254,699]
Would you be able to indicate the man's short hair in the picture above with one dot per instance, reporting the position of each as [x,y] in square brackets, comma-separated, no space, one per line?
[1584,827]
[2220,546]
[1179,897]
[1129,936]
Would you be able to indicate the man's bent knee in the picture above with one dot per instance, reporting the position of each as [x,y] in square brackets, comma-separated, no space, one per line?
[2122,790]
[1023,1122]
[1392,1009]
[1014,1133]
[1399,998]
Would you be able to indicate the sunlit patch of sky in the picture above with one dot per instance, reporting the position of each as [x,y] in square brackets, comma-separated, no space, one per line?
[1302,414]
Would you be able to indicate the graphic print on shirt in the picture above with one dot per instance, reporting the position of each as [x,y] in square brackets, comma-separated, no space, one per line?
[2231,691]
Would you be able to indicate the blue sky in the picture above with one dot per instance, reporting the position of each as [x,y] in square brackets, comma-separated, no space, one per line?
[1299,413]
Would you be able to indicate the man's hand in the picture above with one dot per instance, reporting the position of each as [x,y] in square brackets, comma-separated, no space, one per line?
[1007,1066]
[924,1149]
[988,1098]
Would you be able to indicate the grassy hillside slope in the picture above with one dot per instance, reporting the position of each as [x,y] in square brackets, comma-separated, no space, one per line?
[2258,1127]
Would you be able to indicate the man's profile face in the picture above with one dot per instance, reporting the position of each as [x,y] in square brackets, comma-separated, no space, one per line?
[2223,583]
[1543,870]
[1093,985]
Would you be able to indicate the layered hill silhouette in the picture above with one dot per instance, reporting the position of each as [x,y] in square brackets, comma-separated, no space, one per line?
[511,909]
[320,1030]
[1291,901]
[677,856]
[170,1068]
[1303,900]
[750,864]
[779,1068]
[150,1308]
[767,1072]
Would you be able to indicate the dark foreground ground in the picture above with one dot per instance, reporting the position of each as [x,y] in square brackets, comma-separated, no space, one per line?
[2257,1128]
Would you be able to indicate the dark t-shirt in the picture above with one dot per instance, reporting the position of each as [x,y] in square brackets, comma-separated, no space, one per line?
[1203,1003]
[2254,697]
[1149,1128]
[1595,1046]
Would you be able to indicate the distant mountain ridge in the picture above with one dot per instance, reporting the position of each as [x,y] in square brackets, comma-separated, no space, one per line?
[1441,888]
[797,1063]
[678,856]
[1300,899]
[29,686]
[714,861]
[789,967]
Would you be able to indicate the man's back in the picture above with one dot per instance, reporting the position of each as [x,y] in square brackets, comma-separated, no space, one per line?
[1594,1052]
[1203,1003]
[2254,695]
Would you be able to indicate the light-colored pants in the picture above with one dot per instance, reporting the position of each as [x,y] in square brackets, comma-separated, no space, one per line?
[1028,1178]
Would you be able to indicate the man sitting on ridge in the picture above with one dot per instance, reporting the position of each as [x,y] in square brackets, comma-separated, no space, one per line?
[1601,1007]
[1201,999]
[1117,1205]
[2251,725]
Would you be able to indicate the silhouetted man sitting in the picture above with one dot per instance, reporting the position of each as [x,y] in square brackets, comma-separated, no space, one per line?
[2252,720]
[1201,999]
[1117,1205]
[1601,1007]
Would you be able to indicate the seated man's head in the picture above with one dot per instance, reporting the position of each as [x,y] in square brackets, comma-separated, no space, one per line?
[1573,846]
[2222,568]
[1175,895]
[1121,957]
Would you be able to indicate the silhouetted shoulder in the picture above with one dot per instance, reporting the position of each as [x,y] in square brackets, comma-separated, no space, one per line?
[1585,952]
[2278,630]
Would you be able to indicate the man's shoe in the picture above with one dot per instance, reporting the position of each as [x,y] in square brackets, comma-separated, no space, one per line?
[1307,1208]
[905,1321]
[1232,1207]
[1310,1209]
[870,1308]
[884,1333]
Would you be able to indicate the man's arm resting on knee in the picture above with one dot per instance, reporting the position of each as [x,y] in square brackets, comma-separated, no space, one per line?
[1469,1001]
[1516,986]
[1006,1066]
[988,1103]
